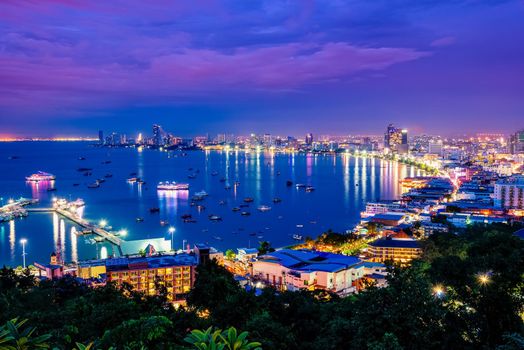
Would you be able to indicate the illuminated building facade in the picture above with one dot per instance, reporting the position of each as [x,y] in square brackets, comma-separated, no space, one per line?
[516,142]
[509,192]
[399,249]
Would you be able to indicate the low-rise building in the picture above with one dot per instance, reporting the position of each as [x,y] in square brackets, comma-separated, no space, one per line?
[400,249]
[288,269]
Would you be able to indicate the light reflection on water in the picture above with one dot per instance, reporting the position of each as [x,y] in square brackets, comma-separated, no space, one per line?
[335,203]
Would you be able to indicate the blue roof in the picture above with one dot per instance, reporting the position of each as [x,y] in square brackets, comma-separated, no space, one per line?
[389,216]
[308,260]
[519,233]
[395,243]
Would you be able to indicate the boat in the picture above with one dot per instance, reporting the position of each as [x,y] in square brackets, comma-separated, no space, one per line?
[297,237]
[172,186]
[132,174]
[76,185]
[214,218]
[108,175]
[264,208]
[253,234]
[191,176]
[201,194]
[237,183]
[222,202]
[133,179]
[300,225]
[141,182]
[223,179]
[164,222]
[51,189]
[95,184]
[277,200]
[200,207]
[236,209]
[106,162]
[41,176]
[245,213]
[190,221]
[154,210]
[300,186]
[218,238]
[227,187]
[197,198]
[248,199]
[139,219]
[289,183]
[13,157]
[244,205]
[214,173]
[186,216]
[310,189]
[81,158]
[82,170]
[101,180]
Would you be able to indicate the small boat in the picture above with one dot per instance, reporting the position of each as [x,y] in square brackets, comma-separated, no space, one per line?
[297,237]
[108,175]
[264,208]
[186,216]
[300,225]
[106,162]
[154,210]
[253,234]
[13,157]
[201,208]
[260,237]
[218,238]
[300,186]
[222,202]
[277,200]
[289,183]
[278,173]
[133,179]
[248,199]
[76,185]
[82,170]
[244,205]
[222,180]
[81,158]
[197,198]
[190,169]
[227,187]
[191,176]
[190,221]
[201,193]
[164,222]
[214,218]
[236,209]
[101,180]
[41,176]
[310,189]
[214,173]
[139,219]
[245,213]
[95,184]
[141,182]
[51,189]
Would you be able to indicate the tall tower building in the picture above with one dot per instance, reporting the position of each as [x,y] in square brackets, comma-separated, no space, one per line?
[100,137]
[394,137]
[157,135]
[516,142]
[309,139]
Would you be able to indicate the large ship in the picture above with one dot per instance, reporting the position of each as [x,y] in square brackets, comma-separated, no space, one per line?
[41,176]
[172,186]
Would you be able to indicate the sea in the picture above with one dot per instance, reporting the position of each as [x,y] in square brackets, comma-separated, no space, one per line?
[342,185]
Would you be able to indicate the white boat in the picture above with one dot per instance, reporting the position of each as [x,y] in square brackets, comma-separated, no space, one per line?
[300,186]
[133,179]
[297,237]
[201,193]
[264,208]
[41,176]
[172,186]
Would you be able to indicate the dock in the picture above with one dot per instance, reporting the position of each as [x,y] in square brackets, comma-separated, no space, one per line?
[61,209]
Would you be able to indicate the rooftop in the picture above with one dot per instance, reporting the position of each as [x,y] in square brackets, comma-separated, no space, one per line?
[394,243]
[307,260]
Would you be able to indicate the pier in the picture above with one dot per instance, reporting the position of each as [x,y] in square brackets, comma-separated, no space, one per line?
[62,208]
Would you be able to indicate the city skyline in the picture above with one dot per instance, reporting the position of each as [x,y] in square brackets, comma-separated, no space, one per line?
[70,68]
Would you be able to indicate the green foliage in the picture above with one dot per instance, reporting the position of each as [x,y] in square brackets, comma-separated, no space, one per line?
[230,254]
[14,336]
[217,340]
[265,247]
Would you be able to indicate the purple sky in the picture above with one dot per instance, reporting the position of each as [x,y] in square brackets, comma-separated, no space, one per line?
[71,67]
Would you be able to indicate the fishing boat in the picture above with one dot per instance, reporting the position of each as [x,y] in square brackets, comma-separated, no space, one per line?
[201,194]
[95,184]
[133,179]
[300,186]
[40,176]
[248,199]
[245,213]
[214,218]
[264,208]
[236,209]
[310,189]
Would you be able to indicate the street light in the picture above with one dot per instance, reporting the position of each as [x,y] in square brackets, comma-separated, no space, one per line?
[123,232]
[102,223]
[171,231]
[483,278]
[438,291]
[23,241]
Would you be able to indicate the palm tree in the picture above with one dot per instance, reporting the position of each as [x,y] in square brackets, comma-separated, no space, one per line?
[14,337]
[218,340]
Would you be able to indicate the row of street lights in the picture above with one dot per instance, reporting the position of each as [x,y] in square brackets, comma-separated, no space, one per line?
[483,278]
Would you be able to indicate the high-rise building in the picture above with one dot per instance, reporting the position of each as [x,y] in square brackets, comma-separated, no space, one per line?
[309,139]
[396,140]
[268,140]
[157,135]
[435,148]
[509,192]
[516,142]
[100,137]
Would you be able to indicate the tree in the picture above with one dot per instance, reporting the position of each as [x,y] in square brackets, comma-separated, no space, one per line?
[217,340]
[14,336]
[230,254]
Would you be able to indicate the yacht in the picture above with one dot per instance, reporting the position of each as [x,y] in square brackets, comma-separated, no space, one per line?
[215,218]
[297,237]
[172,186]
[300,186]
[133,179]
[201,194]
[41,176]
[310,189]
[248,199]
[264,208]
[95,184]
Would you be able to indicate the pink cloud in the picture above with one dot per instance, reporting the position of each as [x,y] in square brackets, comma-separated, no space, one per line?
[445,41]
